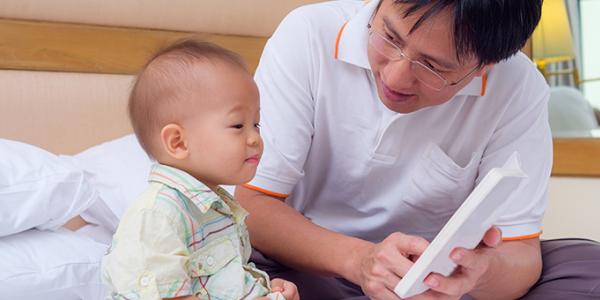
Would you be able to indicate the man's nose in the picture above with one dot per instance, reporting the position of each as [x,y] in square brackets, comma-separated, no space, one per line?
[398,74]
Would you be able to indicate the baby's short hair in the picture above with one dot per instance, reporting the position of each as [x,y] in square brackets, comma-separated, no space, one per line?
[155,99]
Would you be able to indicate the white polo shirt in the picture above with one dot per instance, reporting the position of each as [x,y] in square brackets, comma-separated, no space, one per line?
[349,164]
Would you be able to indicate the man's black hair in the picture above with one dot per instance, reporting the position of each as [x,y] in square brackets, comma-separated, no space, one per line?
[491,30]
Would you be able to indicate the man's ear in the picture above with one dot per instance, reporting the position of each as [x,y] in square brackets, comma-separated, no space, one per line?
[174,142]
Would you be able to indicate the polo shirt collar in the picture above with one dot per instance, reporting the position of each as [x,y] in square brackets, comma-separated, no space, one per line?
[474,88]
[352,42]
[353,37]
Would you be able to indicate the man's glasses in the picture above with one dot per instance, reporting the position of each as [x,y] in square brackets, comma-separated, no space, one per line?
[423,73]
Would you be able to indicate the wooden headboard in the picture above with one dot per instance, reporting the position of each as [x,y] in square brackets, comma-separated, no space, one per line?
[65,47]
[65,86]
[66,66]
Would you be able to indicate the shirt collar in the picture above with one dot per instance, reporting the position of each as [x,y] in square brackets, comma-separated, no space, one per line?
[200,194]
[353,37]
[474,88]
[352,42]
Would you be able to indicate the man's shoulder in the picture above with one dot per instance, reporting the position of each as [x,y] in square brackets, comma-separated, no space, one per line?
[338,7]
[325,15]
[307,36]
[518,70]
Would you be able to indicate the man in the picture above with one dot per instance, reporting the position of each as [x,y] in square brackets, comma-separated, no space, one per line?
[378,120]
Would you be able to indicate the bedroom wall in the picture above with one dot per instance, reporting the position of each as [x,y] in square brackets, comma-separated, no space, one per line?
[573,209]
[215,16]
[574,202]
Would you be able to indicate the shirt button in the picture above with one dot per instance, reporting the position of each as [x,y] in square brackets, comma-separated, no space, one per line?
[210,260]
[144,281]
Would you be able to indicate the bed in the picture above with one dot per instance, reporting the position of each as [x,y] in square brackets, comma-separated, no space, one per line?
[66,68]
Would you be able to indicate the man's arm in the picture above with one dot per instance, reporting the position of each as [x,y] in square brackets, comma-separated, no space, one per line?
[281,232]
[515,266]
[506,271]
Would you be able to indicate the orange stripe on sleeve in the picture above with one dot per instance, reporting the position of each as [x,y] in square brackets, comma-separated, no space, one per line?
[337,40]
[523,237]
[266,192]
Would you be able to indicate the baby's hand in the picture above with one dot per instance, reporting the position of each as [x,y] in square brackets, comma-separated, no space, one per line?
[288,289]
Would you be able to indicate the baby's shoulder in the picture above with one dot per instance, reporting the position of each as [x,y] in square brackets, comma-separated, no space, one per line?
[158,200]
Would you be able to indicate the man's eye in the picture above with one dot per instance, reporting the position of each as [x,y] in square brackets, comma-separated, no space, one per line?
[429,65]
[389,37]
[238,126]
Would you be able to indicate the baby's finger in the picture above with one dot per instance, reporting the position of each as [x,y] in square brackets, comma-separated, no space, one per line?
[290,291]
[277,283]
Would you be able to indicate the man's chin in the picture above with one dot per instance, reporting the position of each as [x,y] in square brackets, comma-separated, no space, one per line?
[402,107]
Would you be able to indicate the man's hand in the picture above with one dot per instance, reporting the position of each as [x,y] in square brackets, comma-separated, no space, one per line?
[472,270]
[383,265]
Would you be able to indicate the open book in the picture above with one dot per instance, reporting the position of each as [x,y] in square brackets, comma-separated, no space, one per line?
[466,227]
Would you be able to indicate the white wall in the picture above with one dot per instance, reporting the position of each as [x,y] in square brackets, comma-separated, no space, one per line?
[590,9]
[573,209]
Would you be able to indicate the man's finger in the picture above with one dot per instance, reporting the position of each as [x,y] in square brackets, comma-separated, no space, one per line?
[409,244]
[385,294]
[456,285]
[493,237]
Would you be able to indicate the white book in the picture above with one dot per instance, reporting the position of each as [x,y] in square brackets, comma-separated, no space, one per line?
[466,227]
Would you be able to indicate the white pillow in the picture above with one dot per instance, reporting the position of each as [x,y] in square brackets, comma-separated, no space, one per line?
[118,169]
[39,190]
[49,265]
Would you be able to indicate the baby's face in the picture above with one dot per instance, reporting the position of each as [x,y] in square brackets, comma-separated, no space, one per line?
[223,129]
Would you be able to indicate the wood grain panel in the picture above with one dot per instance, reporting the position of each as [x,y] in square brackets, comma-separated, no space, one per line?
[49,46]
[29,45]
[576,157]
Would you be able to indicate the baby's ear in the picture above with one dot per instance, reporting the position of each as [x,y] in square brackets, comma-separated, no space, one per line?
[173,141]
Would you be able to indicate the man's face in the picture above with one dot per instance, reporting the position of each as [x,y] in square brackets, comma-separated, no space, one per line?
[431,44]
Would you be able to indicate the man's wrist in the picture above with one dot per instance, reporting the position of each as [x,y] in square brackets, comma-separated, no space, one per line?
[485,282]
[351,268]
[517,268]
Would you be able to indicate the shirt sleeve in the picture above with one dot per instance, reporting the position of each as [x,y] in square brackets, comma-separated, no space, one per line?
[149,258]
[287,108]
[523,128]
[275,296]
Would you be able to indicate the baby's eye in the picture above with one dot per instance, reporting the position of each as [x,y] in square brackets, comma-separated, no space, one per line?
[238,126]
[257,125]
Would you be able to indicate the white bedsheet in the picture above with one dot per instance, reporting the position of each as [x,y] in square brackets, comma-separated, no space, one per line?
[61,265]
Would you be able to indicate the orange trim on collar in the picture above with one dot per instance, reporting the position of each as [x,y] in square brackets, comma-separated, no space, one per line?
[337,40]
[483,83]
[264,191]
[522,237]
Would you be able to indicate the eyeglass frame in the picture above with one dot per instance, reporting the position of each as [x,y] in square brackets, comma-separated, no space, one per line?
[412,61]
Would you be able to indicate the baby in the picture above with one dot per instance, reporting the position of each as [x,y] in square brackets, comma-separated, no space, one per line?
[195,110]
